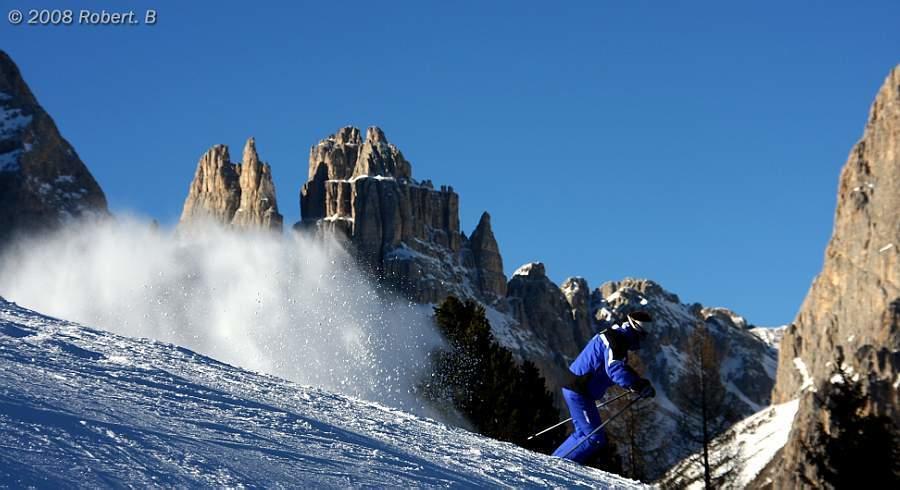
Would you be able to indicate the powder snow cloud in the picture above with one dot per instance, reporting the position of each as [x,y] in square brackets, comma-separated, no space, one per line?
[289,305]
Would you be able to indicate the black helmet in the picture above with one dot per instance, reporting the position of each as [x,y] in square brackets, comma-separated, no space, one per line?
[640,321]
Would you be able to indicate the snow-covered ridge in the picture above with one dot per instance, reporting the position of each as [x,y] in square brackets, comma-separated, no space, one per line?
[526,269]
[84,407]
[770,335]
[758,436]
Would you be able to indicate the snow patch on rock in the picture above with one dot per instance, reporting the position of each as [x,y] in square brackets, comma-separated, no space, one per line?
[9,161]
[526,269]
[770,335]
[807,383]
[12,120]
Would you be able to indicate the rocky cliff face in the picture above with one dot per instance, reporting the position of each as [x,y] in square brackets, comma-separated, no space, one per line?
[853,306]
[540,306]
[43,183]
[405,231]
[541,326]
[578,296]
[240,195]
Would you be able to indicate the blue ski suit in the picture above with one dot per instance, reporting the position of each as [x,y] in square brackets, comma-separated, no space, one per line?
[602,363]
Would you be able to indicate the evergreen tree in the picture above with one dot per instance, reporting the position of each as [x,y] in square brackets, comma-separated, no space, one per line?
[481,380]
[855,445]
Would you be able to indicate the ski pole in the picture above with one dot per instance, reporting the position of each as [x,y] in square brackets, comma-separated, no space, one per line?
[610,419]
[599,405]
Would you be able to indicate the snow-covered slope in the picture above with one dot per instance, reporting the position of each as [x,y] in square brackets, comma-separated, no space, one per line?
[761,436]
[84,407]
[758,437]
[770,335]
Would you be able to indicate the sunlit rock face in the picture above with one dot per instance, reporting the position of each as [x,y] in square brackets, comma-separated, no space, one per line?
[406,231]
[853,306]
[43,183]
[232,194]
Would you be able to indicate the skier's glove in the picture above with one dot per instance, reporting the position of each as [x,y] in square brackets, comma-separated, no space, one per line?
[644,388]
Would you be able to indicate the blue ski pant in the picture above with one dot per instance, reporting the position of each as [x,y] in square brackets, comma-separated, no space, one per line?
[586,418]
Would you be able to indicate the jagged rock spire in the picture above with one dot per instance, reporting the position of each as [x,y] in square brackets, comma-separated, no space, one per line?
[374,135]
[258,208]
[364,190]
[378,157]
[250,157]
[577,294]
[334,158]
[344,156]
[215,192]
[231,194]
[488,261]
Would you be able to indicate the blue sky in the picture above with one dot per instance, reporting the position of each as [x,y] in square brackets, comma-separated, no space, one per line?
[695,143]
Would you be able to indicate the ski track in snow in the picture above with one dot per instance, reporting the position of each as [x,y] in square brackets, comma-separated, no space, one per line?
[84,407]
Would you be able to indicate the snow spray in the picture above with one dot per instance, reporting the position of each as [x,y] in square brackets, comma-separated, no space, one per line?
[289,305]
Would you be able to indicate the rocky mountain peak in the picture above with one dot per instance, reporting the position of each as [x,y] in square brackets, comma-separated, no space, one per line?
[540,306]
[575,290]
[334,158]
[725,315]
[531,270]
[375,135]
[377,157]
[643,288]
[11,81]
[43,183]
[344,156]
[258,206]
[578,295]
[488,262]
[885,106]
[250,157]
[215,191]
[240,195]
[348,135]
[216,156]
[406,232]
[484,224]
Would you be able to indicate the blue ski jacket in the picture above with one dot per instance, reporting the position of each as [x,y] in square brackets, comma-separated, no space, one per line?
[604,362]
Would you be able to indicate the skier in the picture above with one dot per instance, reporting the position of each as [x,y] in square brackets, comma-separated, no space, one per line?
[603,362]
